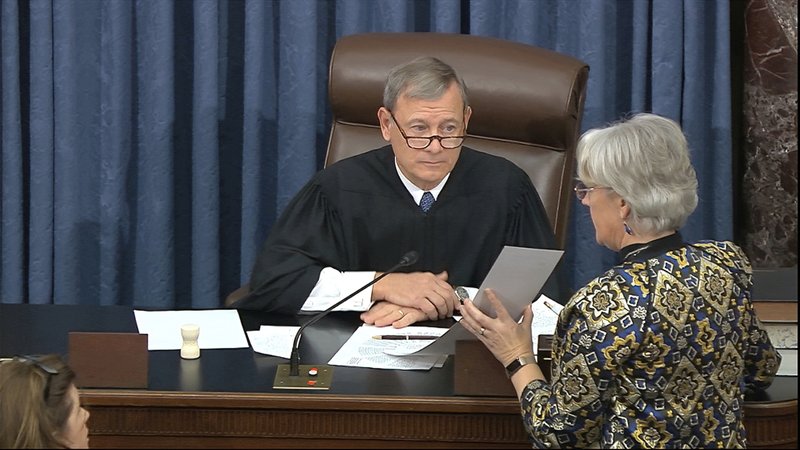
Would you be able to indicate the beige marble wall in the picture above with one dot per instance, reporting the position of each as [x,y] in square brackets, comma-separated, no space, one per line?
[769,186]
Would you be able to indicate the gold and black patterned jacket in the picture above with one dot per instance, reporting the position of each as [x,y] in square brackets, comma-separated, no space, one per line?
[656,353]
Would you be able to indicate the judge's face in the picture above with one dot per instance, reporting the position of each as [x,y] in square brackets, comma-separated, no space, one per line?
[445,116]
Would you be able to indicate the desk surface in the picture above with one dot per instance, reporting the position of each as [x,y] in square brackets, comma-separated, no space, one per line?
[34,329]
[240,379]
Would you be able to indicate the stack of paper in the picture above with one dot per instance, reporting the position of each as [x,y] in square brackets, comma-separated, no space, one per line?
[369,347]
[780,321]
[545,318]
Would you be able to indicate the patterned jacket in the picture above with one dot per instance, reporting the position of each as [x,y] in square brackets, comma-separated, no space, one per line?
[657,352]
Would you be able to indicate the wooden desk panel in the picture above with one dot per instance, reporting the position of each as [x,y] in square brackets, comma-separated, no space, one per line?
[772,424]
[147,419]
[162,419]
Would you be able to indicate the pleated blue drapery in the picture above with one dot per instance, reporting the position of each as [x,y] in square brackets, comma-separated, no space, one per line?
[148,146]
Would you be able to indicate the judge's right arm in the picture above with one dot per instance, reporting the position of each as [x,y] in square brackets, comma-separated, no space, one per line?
[427,292]
[301,243]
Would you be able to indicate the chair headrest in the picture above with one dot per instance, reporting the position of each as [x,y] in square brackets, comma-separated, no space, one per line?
[517,92]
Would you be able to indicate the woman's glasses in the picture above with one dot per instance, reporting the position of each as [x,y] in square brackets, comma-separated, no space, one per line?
[581,190]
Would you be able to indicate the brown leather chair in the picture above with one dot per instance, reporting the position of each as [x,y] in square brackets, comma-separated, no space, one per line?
[527,104]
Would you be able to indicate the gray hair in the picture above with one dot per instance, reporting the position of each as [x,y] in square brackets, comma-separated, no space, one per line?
[425,78]
[644,159]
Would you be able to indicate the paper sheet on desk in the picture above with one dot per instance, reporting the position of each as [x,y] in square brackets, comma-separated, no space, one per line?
[219,328]
[545,319]
[516,276]
[273,340]
[361,350]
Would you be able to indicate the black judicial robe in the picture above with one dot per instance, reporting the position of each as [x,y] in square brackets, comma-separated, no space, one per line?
[356,215]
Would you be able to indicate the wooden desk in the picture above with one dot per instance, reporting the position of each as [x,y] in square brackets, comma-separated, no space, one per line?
[300,420]
[225,399]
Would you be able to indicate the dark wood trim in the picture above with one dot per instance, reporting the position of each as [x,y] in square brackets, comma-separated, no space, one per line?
[150,419]
[127,418]
[772,425]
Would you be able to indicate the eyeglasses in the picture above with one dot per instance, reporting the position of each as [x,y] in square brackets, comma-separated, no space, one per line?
[47,369]
[581,190]
[422,142]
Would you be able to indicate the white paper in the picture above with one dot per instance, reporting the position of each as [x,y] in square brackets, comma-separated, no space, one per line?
[273,340]
[219,328]
[788,365]
[545,318]
[782,334]
[516,277]
[362,350]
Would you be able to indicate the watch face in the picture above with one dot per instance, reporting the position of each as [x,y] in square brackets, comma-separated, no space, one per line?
[513,365]
[517,364]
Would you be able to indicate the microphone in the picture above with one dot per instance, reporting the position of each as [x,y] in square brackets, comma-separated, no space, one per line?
[288,375]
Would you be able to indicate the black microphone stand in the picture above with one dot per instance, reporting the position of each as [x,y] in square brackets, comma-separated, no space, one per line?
[288,375]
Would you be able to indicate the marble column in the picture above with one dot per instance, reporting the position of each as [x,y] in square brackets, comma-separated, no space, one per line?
[769,187]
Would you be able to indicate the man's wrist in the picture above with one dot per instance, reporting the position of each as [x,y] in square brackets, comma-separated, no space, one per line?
[376,294]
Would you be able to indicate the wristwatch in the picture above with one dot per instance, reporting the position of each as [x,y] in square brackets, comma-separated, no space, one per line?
[517,364]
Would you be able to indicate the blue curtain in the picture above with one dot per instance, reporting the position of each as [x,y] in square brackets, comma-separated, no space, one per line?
[148,146]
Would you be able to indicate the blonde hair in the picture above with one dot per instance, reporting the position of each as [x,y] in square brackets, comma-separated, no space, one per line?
[34,405]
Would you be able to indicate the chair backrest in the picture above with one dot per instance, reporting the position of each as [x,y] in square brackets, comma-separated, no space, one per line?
[527,103]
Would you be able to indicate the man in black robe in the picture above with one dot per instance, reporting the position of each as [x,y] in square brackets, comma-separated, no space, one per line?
[357,217]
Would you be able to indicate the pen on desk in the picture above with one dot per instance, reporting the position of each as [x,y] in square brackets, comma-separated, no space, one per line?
[550,307]
[402,337]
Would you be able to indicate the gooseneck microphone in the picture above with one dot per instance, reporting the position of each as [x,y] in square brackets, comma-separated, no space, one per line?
[408,259]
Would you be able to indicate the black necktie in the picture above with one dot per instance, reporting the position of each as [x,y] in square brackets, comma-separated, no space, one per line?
[426,202]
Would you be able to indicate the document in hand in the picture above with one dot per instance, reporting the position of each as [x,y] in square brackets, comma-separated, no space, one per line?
[516,277]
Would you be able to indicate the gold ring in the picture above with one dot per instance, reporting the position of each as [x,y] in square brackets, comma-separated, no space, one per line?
[482,330]
[401,312]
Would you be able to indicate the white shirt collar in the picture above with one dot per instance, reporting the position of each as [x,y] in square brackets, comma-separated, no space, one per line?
[417,192]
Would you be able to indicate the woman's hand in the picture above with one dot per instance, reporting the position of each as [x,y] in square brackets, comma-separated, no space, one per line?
[503,336]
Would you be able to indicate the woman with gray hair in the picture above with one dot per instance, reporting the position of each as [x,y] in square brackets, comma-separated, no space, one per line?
[657,351]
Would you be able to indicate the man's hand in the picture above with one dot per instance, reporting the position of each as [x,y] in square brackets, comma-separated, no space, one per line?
[386,313]
[424,291]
